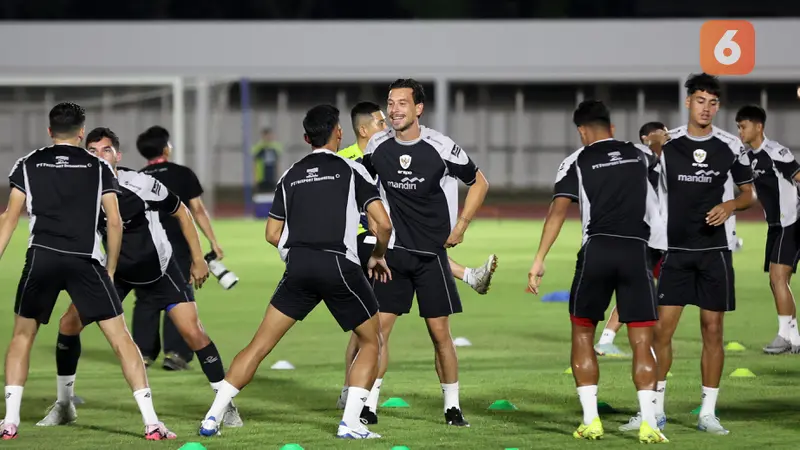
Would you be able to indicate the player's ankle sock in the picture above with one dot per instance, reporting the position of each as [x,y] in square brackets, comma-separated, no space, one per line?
[709,404]
[607,337]
[68,352]
[144,398]
[356,399]
[225,394]
[13,402]
[374,394]
[794,334]
[450,391]
[588,397]
[784,323]
[647,406]
[211,363]
[661,389]
[468,276]
[66,388]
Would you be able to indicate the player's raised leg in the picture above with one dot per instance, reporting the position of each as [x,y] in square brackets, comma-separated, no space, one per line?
[478,278]
[605,346]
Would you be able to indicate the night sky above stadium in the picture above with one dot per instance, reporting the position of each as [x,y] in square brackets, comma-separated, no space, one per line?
[385,9]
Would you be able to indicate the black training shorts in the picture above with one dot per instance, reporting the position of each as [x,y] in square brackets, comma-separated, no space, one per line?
[47,273]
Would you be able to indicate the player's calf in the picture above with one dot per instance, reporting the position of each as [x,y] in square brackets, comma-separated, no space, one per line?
[362,378]
[16,372]
[135,374]
[442,339]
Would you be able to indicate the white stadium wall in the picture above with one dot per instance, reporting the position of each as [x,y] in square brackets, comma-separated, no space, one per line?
[495,77]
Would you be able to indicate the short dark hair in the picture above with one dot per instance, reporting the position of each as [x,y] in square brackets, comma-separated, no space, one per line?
[417,91]
[319,124]
[100,133]
[592,113]
[649,127]
[753,113]
[152,142]
[703,82]
[362,109]
[67,118]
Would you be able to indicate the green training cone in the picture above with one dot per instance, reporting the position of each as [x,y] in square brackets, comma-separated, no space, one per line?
[669,374]
[696,411]
[400,447]
[192,446]
[735,347]
[395,402]
[568,371]
[604,407]
[292,447]
[743,373]
[502,405]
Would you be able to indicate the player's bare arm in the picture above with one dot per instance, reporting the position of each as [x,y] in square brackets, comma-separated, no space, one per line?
[381,228]
[274,230]
[10,217]
[475,196]
[552,227]
[198,209]
[199,270]
[720,213]
[114,227]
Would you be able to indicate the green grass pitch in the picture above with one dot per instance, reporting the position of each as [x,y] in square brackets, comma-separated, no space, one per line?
[520,351]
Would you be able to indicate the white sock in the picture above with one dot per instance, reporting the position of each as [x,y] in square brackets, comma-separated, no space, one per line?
[661,388]
[144,398]
[784,323]
[225,394]
[794,334]
[450,391]
[13,402]
[352,408]
[588,397]
[343,394]
[607,337]
[215,387]
[374,394]
[468,278]
[66,388]
[709,405]
[647,406]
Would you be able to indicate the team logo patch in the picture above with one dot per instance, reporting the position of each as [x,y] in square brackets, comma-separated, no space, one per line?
[699,155]
[405,161]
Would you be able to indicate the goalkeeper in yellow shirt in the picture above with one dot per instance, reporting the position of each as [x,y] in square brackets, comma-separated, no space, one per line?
[368,119]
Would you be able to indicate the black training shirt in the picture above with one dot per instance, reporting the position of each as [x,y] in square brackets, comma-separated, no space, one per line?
[419,184]
[320,199]
[64,185]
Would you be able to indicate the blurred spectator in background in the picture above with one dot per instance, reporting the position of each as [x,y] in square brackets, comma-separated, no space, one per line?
[266,153]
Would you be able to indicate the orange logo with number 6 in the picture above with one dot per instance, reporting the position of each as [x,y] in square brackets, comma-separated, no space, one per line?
[727,47]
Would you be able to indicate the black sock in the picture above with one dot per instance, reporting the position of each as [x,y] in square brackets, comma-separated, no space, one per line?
[68,352]
[211,363]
